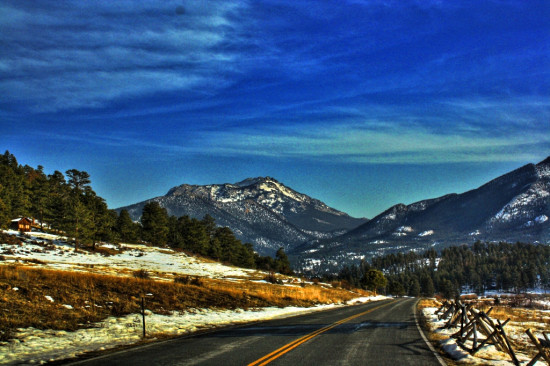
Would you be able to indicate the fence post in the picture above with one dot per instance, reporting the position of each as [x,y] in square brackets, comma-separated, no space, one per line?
[507,342]
[143,313]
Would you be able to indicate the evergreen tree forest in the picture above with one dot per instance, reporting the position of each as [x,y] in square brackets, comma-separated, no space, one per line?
[476,269]
[66,203]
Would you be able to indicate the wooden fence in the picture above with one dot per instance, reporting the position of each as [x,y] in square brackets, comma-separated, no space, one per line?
[478,329]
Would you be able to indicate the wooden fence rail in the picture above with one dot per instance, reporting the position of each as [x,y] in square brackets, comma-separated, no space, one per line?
[543,346]
[477,329]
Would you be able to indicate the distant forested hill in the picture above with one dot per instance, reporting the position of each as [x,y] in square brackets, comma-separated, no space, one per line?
[482,267]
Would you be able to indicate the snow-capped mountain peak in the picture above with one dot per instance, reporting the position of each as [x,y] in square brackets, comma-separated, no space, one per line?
[260,210]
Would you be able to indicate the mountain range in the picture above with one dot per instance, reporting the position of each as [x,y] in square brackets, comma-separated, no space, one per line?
[318,238]
[513,207]
[261,211]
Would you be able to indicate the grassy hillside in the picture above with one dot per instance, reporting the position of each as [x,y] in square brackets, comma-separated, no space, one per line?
[34,292]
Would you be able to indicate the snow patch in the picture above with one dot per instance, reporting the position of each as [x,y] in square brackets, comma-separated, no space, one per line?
[405,229]
[541,219]
[134,257]
[522,205]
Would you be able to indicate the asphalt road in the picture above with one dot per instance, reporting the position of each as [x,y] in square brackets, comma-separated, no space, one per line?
[379,333]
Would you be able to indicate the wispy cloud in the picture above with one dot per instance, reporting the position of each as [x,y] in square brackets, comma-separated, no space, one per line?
[382,144]
[369,143]
[78,54]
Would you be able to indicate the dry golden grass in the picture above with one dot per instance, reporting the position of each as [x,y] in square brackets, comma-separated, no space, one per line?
[428,303]
[304,295]
[518,315]
[94,297]
[521,319]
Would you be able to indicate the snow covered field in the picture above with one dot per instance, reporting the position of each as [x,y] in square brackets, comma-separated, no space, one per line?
[34,346]
[161,263]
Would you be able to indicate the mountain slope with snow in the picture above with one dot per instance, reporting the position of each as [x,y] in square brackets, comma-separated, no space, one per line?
[513,207]
[261,211]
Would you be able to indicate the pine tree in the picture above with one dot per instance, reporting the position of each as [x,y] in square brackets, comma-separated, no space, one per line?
[209,224]
[4,218]
[426,285]
[79,217]
[215,249]
[448,290]
[229,244]
[414,287]
[39,195]
[127,230]
[154,221]
[374,280]
[103,219]
[282,263]
[395,287]
[58,197]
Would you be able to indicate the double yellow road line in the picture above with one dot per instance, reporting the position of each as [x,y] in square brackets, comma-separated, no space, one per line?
[290,346]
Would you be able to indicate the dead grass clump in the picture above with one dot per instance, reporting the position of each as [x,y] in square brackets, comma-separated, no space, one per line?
[189,280]
[10,239]
[272,278]
[184,280]
[142,273]
[9,251]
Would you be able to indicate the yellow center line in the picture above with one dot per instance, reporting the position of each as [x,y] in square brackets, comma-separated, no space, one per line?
[290,346]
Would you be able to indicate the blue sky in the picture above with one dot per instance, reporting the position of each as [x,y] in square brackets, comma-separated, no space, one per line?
[362,104]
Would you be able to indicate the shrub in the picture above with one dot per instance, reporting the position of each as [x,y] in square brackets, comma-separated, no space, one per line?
[106,252]
[9,239]
[184,280]
[271,278]
[196,281]
[6,332]
[142,273]
[188,280]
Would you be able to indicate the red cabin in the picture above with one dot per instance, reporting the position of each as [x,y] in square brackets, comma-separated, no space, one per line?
[22,224]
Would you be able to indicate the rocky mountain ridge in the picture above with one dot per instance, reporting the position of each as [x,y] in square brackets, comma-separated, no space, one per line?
[513,207]
[259,210]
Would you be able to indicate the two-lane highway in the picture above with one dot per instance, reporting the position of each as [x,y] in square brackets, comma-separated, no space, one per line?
[378,333]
